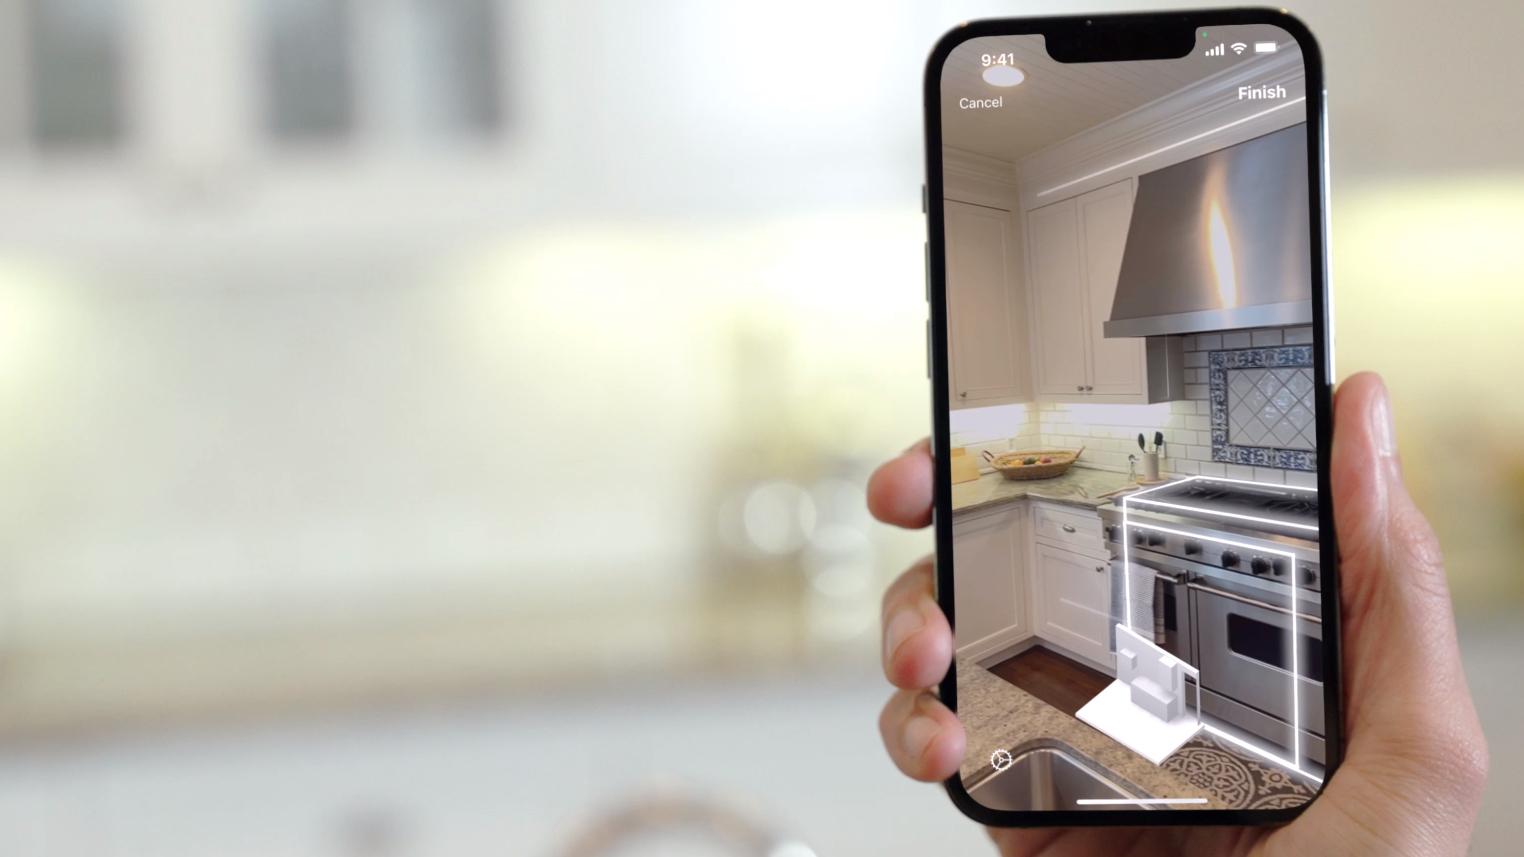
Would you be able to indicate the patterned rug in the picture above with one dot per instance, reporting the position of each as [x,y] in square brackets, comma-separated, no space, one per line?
[1240,780]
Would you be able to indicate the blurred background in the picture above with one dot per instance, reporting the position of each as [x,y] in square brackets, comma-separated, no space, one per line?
[440,426]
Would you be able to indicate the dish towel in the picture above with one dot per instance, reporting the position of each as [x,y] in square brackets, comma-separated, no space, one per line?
[1158,610]
[1147,601]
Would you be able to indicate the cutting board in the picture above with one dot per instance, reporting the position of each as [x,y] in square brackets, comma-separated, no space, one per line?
[965,467]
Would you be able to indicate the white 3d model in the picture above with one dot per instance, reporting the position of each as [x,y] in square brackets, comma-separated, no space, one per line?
[1156,677]
[1145,708]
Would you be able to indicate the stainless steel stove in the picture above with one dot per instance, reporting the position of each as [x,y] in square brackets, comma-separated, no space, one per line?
[1243,528]
[1239,578]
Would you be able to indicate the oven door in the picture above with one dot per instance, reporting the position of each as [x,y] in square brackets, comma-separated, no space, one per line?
[1245,654]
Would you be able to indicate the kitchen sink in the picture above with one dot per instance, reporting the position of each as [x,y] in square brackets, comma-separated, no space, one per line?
[1046,775]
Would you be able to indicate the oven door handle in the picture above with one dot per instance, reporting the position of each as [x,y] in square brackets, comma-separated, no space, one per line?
[1233,596]
[1175,577]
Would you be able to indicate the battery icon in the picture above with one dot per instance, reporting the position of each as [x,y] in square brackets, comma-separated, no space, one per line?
[1264,47]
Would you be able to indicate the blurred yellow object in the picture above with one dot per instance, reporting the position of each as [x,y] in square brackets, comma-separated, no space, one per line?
[1427,291]
[965,467]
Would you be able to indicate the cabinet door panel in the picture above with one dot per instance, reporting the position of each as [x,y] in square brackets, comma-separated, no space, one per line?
[1058,299]
[981,304]
[1075,592]
[987,597]
[1116,365]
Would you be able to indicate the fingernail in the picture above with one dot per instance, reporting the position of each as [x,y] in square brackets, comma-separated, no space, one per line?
[920,729]
[1383,431]
[904,622]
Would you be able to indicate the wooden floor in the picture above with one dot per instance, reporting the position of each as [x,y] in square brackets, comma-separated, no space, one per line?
[1061,682]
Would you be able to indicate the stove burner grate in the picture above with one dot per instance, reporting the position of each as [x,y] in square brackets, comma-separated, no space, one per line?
[1293,507]
[1264,500]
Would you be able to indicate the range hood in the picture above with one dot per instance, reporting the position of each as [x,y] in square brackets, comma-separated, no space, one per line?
[1219,242]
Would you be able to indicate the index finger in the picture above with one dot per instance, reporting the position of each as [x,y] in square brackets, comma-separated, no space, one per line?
[899,492]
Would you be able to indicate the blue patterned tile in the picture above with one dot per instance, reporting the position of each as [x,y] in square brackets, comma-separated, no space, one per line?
[1219,362]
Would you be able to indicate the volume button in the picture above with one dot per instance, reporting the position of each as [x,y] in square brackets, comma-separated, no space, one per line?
[928,348]
[926,267]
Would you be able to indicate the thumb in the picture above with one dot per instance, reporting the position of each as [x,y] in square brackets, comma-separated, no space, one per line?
[1416,756]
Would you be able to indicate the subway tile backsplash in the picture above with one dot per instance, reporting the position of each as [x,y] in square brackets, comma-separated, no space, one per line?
[1109,432]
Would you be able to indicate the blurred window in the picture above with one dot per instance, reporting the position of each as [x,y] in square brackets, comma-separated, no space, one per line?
[456,84]
[74,72]
[412,68]
[308,68]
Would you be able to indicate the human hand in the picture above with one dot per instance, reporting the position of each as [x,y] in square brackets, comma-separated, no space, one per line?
[1415,763]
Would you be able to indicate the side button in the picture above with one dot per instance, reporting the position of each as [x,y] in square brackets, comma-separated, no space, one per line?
[925,205]
[928,348]
[926,267]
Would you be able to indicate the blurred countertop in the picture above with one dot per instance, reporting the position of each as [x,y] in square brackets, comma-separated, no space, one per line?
[456,657]
[1080,486]
[997,715]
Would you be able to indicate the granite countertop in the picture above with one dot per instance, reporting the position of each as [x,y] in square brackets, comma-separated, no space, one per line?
[1079,486]
[998,715]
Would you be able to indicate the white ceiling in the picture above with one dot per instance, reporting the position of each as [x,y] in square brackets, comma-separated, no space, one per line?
[1058,100]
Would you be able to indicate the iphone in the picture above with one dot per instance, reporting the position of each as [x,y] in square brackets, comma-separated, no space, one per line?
[1131,360]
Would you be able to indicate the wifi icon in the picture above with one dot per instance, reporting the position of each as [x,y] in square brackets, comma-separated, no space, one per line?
[1239,47]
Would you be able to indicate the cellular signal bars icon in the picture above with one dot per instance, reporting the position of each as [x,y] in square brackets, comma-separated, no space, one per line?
[1218,51]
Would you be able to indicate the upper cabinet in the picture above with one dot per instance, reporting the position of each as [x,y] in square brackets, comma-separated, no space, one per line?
[1058,300]
[1116,365]
[985,307]
[1075,247]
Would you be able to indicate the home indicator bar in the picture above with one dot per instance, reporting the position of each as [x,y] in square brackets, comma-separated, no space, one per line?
[1137,801]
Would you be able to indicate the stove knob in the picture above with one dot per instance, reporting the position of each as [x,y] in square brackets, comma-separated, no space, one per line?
[1155,540]
[1113,533]
[1306,576]
[1279,566]
[1229,559]
[1192,547]
[1139,537]
[1259,566]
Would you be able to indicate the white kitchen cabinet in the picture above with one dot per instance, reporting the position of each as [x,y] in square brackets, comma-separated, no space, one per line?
[1075,247]
[986,307]
[1116,365]
[1058,300]
[1067,527]
[1072,591]
[989,600]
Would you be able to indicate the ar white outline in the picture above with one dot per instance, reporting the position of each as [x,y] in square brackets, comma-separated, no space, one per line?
[1296,673]
[1257,520]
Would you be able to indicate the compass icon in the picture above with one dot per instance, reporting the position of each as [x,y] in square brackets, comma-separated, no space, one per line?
[1001,759]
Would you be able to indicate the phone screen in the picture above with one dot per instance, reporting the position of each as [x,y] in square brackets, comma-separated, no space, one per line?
[1135,393]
